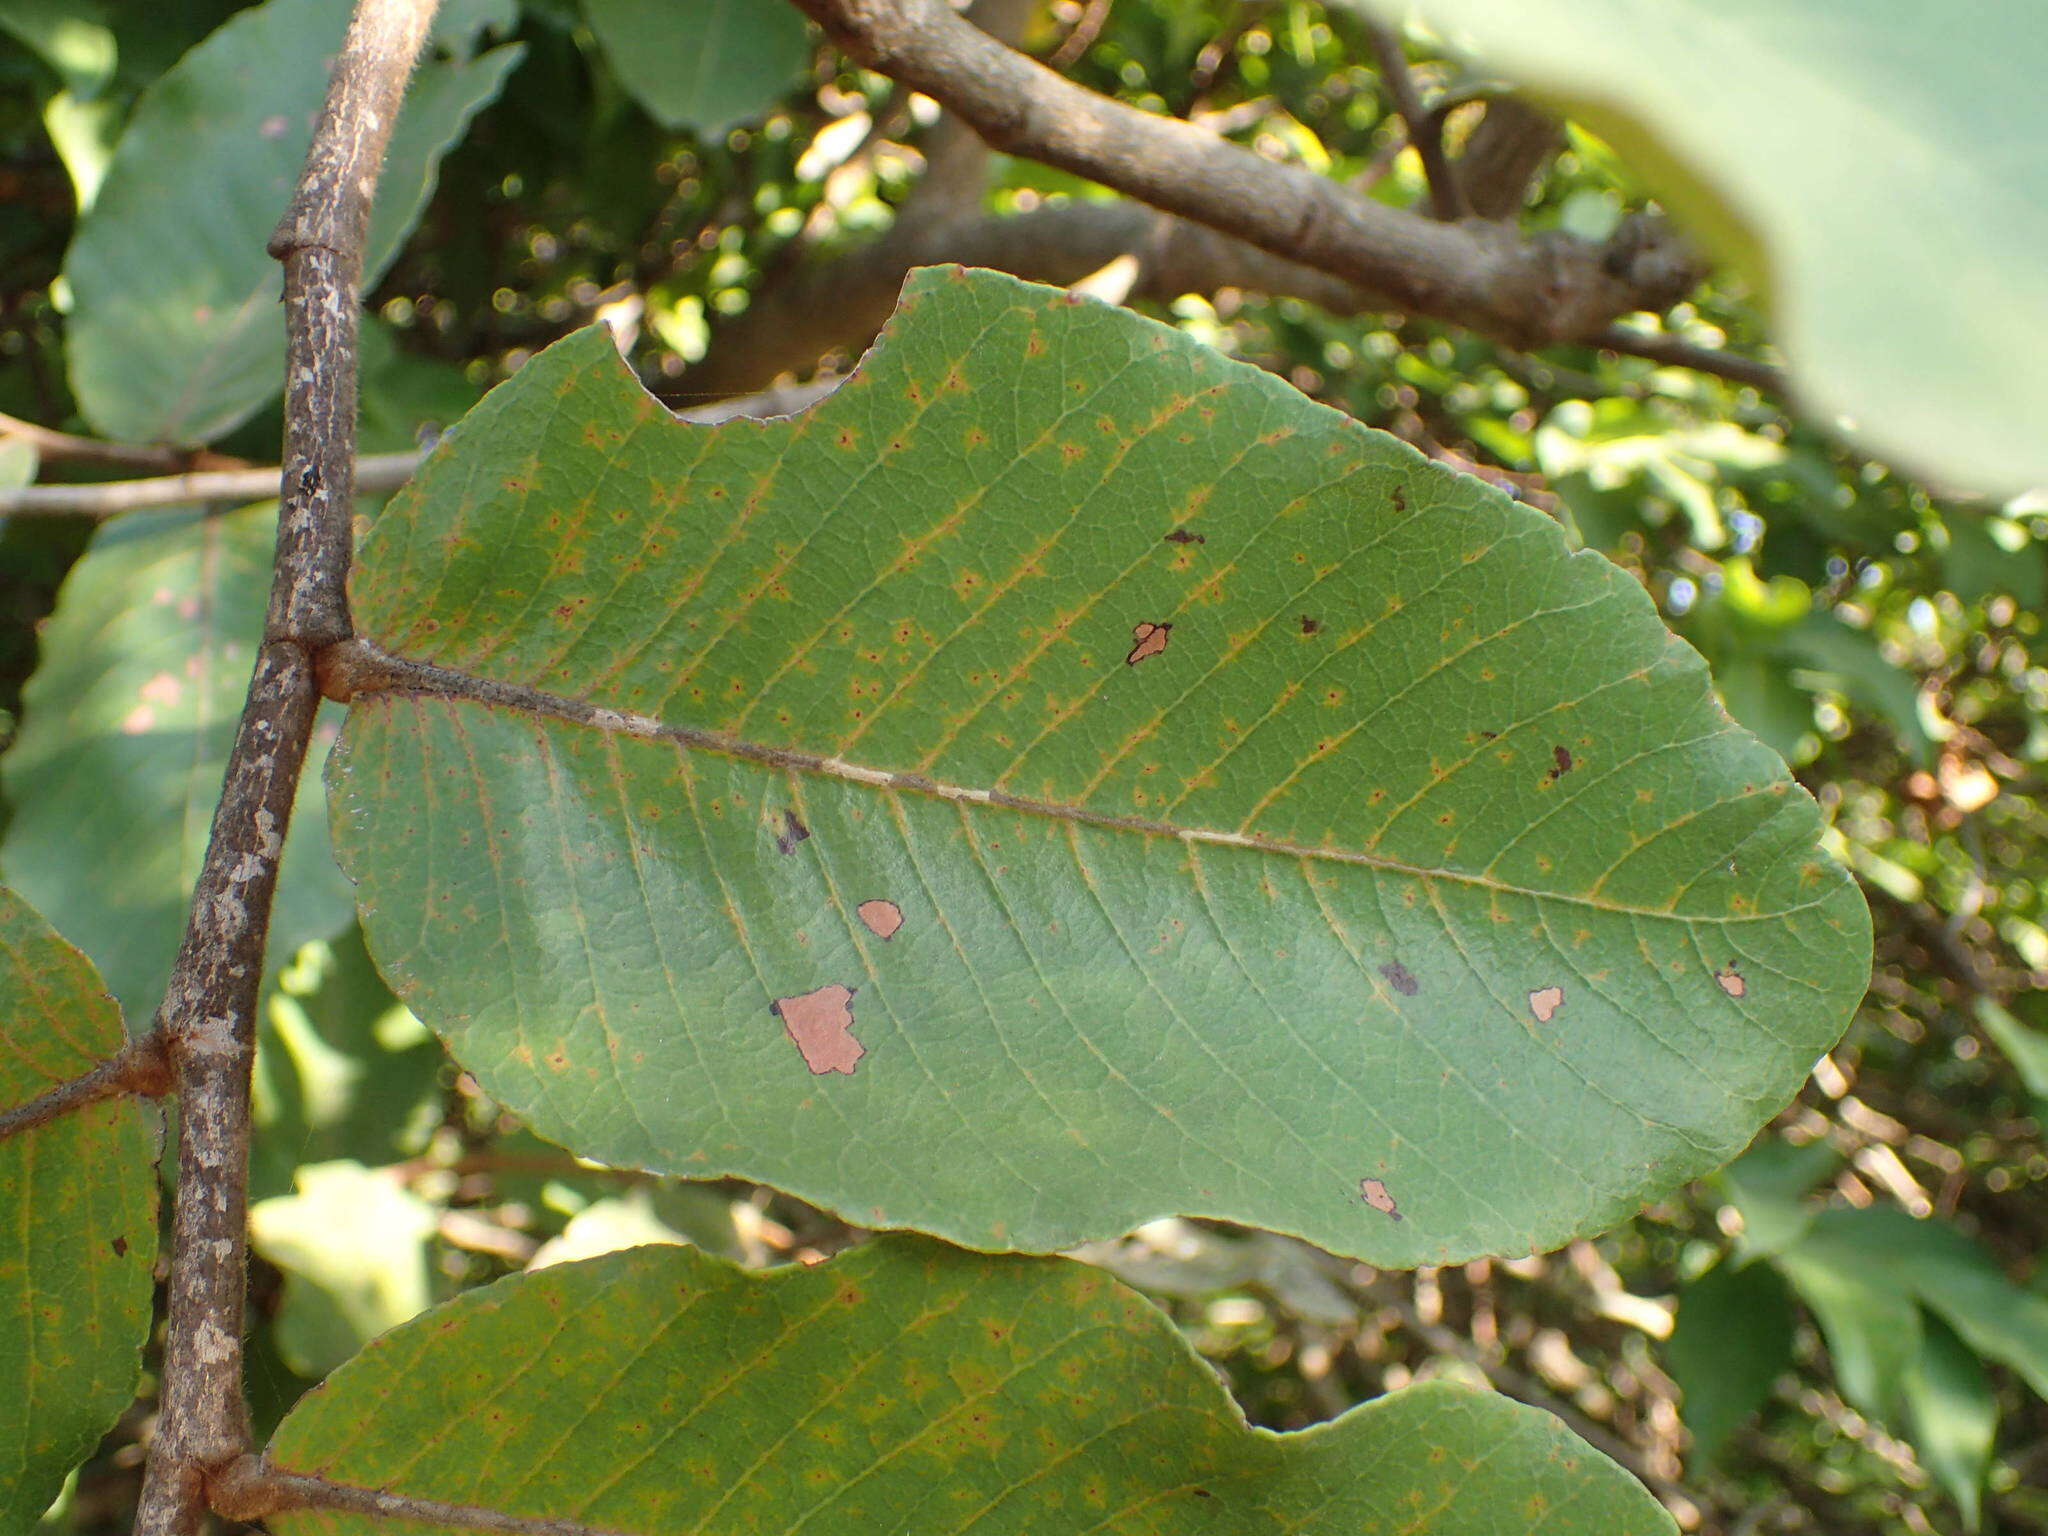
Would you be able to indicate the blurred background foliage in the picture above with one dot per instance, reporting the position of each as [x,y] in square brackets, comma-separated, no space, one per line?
[1846,1331]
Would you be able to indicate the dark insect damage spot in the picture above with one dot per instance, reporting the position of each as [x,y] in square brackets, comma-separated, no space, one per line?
[1150,641]
[1400,498]
[1563,760]
[1183,536]
[1400,978]
[1374,1194]
[1309,626]
[793,832]
[120,1247]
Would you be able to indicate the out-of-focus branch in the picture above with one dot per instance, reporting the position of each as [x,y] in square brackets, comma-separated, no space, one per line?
[374,475]
[1530,291]
[57,446]
[1675,353]
[1425,129]
[1504,155]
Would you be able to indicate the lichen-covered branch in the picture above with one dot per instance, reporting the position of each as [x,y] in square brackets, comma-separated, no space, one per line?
[208,1018]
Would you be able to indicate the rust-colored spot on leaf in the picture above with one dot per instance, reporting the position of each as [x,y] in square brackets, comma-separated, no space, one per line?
[1730,980]
[1151,641]
[120,1247]
[1374,1193]
[882,917]
[821,1024]
[1184,536]
[1400,978]
[1561,760]
[793,832]
[1544,1003]
[1310,626]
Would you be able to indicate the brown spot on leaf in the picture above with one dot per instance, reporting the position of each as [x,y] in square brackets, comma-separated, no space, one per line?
[1544,1003]
[1374,1193]
[1400,978]
[821,1024]
[1400,498]
[120,1247]
[1730,980]
[1309,626]
[1183,536]
[1561,759]
[793,832]
[1151,641]
[882,917]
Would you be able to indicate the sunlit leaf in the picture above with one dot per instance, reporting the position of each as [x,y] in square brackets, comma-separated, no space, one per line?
[903,1385]
[78,1210]
[1064,779]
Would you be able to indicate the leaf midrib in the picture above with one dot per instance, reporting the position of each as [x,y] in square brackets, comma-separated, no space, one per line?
[387,674]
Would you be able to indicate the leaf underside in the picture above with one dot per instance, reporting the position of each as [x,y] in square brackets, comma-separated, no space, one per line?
[78,1214]
[904,1386]
[1067,778]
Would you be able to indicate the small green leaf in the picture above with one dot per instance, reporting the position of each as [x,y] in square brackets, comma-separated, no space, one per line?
[125,734]
[1952,1416]
[1855,157]
[903,1385]
[176,334]
[1731,1340]
[703,64]
[78,1207]
[1064,779]
[2025,1046]
[1768,1185]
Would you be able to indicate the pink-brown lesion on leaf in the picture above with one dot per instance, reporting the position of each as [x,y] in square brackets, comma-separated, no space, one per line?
[1544,1002]
[1731,980]
[1149,640]
[882,917]
[1374,1193]
[820,1023]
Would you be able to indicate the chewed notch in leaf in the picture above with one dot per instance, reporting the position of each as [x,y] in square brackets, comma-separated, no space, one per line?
[1166,903]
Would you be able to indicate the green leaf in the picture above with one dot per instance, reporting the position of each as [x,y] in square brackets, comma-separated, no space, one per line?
[176,333]
[2025,1046]
[1872,1326]
[903,1384]
[703,64]
[125,735]
[1855,157]
[1932,1263]
[1127,788]
[1731,1340]
[78,1207]
[353,1245]
[1952,1415]
[1768,1185]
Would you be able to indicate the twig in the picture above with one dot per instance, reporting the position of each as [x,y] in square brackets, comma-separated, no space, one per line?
[52,444]
[1538,291]
[139,1067]
[373,475]
[1425,129]
[108,498]
[250,1488]
[208,1018]
[1077,42]
[1674,353]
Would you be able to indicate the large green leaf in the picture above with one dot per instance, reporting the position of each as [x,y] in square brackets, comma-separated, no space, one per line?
[78,1214]
[903,1386]
[1125,788]
[1731,1339]
[703,64]
[125,734]
[1873,163]
[175,331]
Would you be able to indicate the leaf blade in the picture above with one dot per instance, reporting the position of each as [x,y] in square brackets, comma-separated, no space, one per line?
[826,673]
